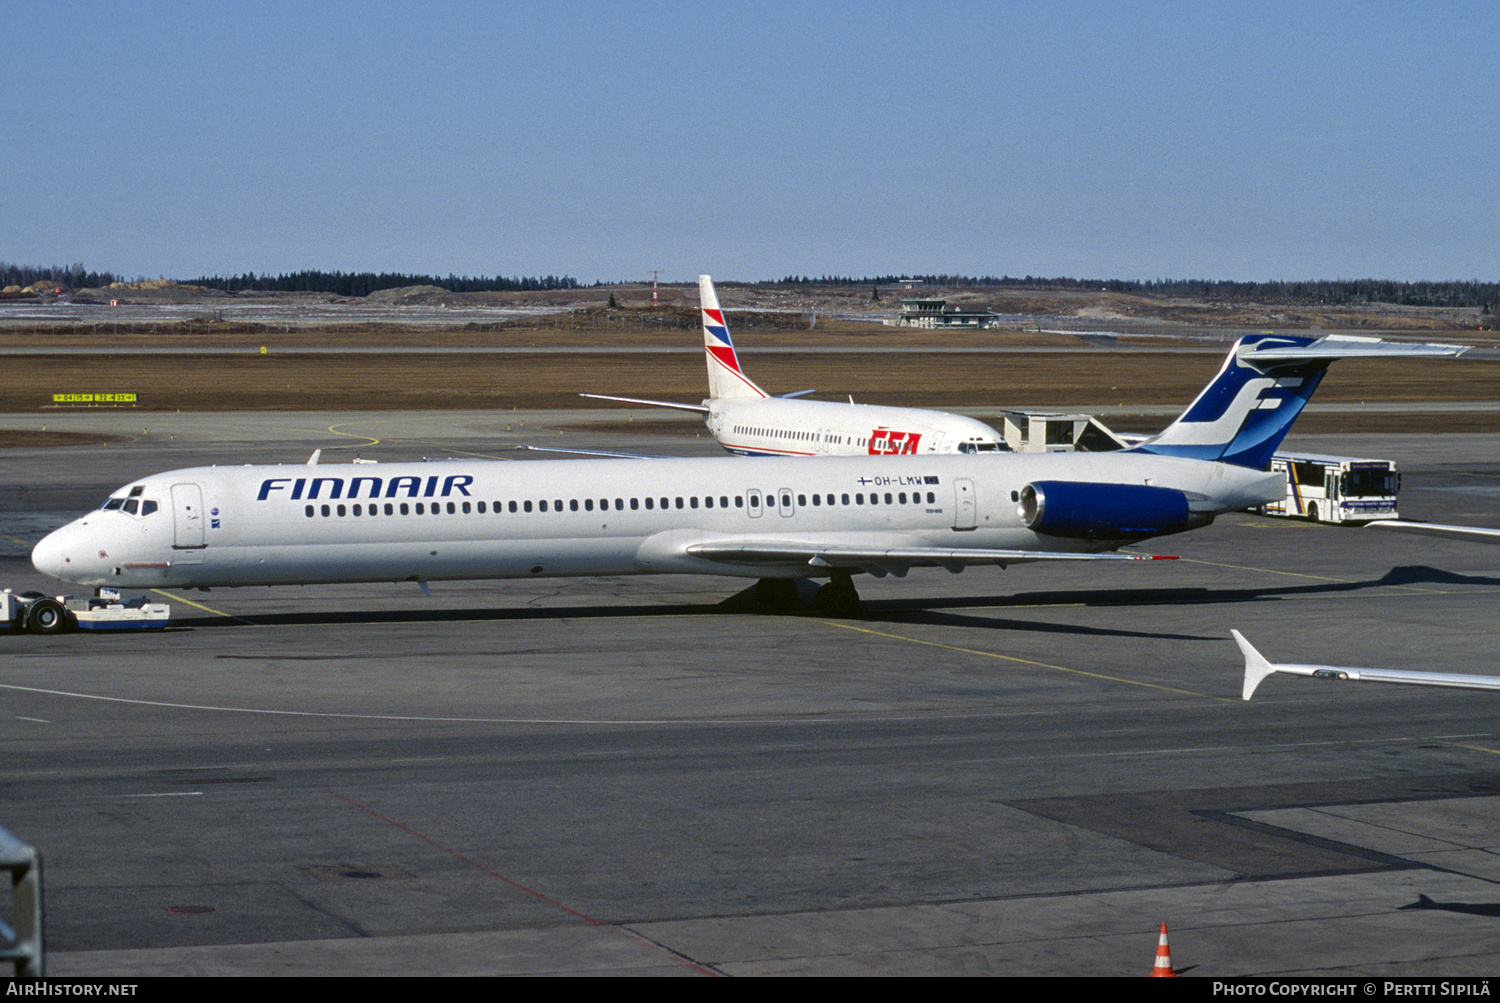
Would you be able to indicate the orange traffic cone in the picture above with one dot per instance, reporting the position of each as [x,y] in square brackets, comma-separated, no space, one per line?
[1163,969]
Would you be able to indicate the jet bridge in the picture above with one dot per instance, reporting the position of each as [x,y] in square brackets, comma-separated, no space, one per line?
[1050,432]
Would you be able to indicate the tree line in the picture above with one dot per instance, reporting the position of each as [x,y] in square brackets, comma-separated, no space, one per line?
[364,283]
[76,276]
[73,276]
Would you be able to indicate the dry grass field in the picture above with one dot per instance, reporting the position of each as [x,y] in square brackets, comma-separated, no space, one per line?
[990,382]
[232,372]
[381,381]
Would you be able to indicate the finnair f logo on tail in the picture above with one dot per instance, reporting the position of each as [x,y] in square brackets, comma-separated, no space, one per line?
[1221,427]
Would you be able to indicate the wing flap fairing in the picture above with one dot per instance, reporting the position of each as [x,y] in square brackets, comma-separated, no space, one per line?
[699,408]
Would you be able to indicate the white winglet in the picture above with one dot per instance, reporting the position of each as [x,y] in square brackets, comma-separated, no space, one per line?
[1256,666]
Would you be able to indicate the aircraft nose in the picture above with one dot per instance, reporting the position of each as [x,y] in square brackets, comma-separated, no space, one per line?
[53,555]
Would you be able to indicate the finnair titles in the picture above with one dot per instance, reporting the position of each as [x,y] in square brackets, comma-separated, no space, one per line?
[776,520]
[747,420]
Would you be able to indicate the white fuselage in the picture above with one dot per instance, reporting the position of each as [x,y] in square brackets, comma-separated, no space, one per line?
[300,524]
[776,426]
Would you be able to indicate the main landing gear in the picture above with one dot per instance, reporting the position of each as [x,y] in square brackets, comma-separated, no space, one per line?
[776,595]
[838,598]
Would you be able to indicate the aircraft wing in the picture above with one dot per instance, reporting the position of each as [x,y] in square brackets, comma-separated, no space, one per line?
[1258,668]
[636,400]
[881,561]
[1478,534]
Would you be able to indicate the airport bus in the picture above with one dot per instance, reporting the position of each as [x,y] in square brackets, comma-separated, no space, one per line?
[1335,488]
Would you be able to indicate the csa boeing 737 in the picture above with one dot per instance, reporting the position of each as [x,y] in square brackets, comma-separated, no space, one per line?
[776,520]
[747,420]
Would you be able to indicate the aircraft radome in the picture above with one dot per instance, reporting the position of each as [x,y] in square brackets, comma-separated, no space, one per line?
[747,420]
[774,520]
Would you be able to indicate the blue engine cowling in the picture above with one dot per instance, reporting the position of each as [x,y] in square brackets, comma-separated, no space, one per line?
[1105,511]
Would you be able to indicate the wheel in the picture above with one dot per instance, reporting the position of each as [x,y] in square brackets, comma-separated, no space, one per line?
[839,599]
[46,616]
[776,595]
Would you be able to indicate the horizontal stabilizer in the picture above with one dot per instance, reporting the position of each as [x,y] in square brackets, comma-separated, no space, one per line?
[1258,668]
[593,452]
[1344,346]
[636,400]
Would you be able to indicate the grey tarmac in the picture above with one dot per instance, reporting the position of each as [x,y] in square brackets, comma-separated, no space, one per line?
[1018,772]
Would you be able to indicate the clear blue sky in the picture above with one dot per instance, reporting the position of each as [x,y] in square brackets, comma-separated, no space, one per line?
[754,140]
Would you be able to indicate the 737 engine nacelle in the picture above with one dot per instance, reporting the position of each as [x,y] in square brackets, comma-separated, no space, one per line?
[1089,511]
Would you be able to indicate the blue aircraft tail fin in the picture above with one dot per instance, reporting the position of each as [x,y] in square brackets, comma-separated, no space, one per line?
[1267,379]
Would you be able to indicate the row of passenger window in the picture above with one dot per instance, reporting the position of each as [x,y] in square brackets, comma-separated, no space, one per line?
[787,433]
[619,504]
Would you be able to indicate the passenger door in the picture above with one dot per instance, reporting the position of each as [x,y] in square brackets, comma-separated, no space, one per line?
[963,504]
[187,516]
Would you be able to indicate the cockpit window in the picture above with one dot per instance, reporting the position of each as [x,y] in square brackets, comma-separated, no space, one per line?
[134,506]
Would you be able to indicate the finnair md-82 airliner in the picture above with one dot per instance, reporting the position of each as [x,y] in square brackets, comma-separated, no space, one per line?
[747,420]
[775,520]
